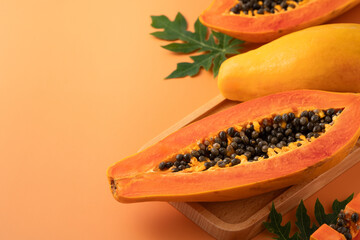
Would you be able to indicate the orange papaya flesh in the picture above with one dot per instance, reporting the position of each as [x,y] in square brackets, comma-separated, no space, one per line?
[347,224]
[325,232]
[352,215]
[135,178]
[267,27]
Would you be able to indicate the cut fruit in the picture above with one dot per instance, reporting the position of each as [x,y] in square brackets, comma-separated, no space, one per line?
[144,176]
[269,26]
[325,232]
[347,224]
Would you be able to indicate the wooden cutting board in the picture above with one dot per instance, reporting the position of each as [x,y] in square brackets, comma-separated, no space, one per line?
[242,219]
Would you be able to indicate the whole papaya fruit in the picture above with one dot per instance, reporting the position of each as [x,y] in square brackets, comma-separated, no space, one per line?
[325,57]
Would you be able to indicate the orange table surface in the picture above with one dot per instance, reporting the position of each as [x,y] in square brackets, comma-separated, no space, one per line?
[82,86]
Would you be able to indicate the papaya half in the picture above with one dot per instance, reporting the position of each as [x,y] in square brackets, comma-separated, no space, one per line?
[266,20]
[325,57]
[346,227]
[254,147]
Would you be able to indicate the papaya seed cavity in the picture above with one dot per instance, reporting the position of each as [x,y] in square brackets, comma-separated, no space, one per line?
[254,141]
[263,7]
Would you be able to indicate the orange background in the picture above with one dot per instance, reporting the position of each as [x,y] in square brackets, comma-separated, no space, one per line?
[82,86]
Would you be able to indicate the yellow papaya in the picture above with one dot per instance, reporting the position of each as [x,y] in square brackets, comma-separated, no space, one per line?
[325,57]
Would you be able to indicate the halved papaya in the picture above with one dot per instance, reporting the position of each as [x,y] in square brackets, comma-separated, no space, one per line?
[346,227]
[243,19]
[254,147]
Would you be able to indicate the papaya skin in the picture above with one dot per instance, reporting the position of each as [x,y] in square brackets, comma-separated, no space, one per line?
[324,57]
[267,27]
[133,178]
